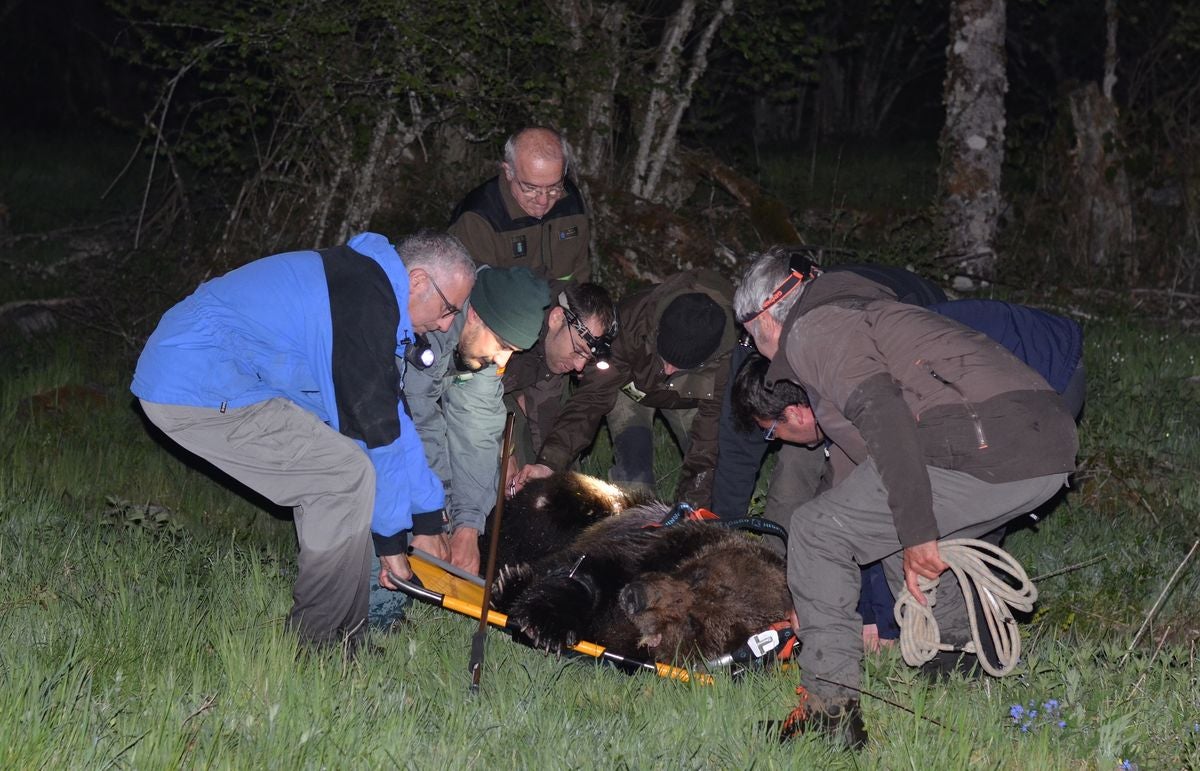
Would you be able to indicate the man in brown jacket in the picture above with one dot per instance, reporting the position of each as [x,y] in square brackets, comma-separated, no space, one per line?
[531,214]
[671,356]
[951,434]
[578,332]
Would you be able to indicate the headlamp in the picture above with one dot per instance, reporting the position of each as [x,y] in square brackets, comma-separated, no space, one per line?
[801,268]
[599,346]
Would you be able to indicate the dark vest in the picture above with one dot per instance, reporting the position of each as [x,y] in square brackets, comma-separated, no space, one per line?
[487,201]
[364,314]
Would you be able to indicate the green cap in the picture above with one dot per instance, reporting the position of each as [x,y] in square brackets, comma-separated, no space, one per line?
[512,302]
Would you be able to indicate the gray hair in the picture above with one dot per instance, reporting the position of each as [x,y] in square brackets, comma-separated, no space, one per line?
[510,147]
[439,254]
[766,271]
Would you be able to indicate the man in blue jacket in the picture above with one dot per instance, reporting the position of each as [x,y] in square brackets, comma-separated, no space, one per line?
[284,374]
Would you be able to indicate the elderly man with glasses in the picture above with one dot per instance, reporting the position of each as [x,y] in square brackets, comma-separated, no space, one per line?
[949,434]
[531,214]
[283,374]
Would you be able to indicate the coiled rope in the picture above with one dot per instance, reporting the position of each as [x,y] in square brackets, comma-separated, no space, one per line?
[975,564]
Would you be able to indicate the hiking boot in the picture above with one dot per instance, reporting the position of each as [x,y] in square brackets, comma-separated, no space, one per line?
[946,663]
[839,720]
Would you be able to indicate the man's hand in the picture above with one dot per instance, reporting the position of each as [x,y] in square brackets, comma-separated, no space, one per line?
[510,471]
[393,563]
[922,560]
[464,549]
[433,545]
[527,473]
[872,642]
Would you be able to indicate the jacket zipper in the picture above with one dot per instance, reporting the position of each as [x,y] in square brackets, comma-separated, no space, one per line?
[980,437]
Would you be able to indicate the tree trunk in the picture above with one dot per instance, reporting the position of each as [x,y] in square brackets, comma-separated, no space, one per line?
[669,98]
[599,69]
[1110,48]
[1101,213]
[972,140]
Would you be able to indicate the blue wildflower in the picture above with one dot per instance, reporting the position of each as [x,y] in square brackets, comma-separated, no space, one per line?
[1127,765]
[1062,724]
[1051,706]
[1016,712]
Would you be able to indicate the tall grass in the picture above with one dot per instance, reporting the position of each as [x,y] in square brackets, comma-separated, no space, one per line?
[142,606]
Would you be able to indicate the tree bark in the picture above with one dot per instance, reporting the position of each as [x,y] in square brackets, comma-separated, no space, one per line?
[1101,218]
[599,62]
[665,150]
[666,74]
[670,96]
[972,140]
[1110,48]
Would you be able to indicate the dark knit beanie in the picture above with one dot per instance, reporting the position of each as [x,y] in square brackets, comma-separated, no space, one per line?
[512,302]
[690,330]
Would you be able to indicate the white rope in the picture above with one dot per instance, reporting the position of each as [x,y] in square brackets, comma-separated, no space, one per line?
[972,562]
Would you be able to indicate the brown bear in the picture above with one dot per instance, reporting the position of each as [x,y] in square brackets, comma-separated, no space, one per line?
[576,568]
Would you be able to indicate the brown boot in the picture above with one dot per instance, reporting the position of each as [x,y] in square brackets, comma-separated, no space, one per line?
[839,719]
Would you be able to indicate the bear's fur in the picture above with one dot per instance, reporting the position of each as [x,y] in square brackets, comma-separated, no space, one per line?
[574,569]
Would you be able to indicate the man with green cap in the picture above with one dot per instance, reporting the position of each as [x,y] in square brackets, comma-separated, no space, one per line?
[457,401]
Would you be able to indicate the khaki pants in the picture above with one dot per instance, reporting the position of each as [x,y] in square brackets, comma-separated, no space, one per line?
[294,459]
[851,525]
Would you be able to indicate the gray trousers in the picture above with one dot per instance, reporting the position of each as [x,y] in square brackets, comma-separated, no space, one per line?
[851,525]
[294,459]
[794,481]
[631,425]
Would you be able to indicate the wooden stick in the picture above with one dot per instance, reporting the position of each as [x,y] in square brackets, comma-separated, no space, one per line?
[479,640]
[1161,597]
[1069,568]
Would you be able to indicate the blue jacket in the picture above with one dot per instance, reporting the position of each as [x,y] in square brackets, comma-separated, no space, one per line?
[264,331]
[1051,345]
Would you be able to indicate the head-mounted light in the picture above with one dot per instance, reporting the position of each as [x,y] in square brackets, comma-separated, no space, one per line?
[599,346]
[801,268]
[420,352]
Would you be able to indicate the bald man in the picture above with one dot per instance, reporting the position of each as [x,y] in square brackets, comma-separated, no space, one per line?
[531,214]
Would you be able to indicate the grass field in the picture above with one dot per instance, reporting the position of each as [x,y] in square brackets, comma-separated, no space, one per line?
[142,599]
[141,610]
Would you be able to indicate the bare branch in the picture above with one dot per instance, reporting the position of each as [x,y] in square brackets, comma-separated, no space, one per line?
[699,64]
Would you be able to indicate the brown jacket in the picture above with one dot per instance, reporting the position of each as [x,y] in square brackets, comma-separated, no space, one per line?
[497,232]
[909,388]
[542,394]
[635,361]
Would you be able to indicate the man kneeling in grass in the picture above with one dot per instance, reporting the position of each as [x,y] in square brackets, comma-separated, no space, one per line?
[283,374]
[950,435]
[1050,345]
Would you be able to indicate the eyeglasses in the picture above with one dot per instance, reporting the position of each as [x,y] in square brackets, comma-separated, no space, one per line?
[599,348]
[451,309]
[583,354]
[533,191]
[769,432]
